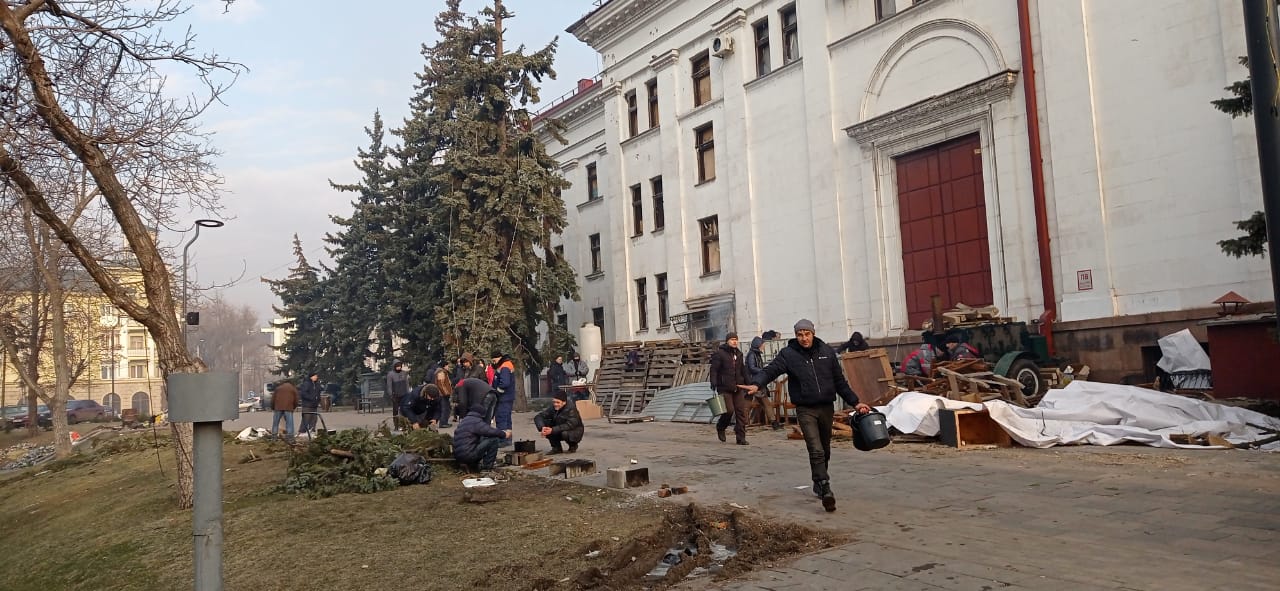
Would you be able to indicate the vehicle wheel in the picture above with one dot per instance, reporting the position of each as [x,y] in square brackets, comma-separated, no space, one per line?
[1026,373]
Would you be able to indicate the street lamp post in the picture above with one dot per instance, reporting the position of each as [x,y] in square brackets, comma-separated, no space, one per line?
[198,224]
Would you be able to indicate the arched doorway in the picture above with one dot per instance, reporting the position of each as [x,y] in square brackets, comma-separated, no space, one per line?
[112,401]
[142,403]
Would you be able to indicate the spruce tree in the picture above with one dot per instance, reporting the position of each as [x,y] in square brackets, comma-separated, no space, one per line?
[304,313]
[494,192]
[1254,240]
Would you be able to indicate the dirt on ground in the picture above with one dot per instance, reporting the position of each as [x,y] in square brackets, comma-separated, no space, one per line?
[108,521]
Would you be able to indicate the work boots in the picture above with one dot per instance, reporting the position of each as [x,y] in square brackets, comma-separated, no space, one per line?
[822,489]
[556,449]
[720,434]
[573,448]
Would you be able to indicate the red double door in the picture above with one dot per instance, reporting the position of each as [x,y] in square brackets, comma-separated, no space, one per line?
[944,227]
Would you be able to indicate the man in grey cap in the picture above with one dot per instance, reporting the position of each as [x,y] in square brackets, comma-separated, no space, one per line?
[814,378]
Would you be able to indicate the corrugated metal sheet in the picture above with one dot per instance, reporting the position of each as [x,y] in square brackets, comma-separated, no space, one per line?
[667,403]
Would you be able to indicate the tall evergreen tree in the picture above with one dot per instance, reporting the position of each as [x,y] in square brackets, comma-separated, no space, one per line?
[304,313]
[494,191]
[1254,240]
[358,285]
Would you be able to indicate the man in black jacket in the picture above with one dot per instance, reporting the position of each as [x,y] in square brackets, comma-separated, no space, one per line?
[309,400]
[729,378]
[472,394]
[475,443]
[560,423]
[814,378]
[421,408]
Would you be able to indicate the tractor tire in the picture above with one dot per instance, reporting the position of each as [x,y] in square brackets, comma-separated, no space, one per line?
[1026,373]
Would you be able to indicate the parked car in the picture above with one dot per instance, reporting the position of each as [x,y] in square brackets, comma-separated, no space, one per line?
[84,410]
[42,417]
[10,413]
[250,404]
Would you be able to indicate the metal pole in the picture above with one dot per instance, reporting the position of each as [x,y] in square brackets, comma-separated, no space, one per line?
[1260,32]
[186,326]
[207,509]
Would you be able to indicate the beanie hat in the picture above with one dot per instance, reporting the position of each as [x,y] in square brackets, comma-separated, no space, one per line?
[561,396]
[804,324]
[496,353]
[731,335]
[756,342]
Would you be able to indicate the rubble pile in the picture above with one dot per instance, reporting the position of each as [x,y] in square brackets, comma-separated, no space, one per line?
[24,455]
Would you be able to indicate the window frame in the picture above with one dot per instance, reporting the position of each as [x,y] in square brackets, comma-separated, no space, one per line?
[637,211]
[141,366]
[642,304]
[763,61]
[704,148]
[633,114]
[880,7]
[664,310]
[700,70]
[597,260]
[709,231]
[593,183]
[659,206]
[790,33]
[651,87]
[597,318]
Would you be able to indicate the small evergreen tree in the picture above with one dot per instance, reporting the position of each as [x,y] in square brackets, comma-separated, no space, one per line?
[304,313]
[1254,240]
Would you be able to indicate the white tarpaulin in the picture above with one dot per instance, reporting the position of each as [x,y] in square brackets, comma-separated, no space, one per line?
[1093,413]
[1181,351]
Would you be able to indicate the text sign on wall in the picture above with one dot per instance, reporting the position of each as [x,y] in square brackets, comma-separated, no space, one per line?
[1084,280]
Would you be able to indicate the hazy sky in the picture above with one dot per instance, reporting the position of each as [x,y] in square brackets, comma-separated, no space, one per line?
[318,71]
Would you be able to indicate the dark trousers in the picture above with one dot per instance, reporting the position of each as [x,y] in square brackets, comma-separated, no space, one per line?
[486,454]
[446,409]
[738,405]
[815,424]
[395,405]
[556,439]
[308,419]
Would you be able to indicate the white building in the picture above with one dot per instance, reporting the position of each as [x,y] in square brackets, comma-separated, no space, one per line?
[743,163]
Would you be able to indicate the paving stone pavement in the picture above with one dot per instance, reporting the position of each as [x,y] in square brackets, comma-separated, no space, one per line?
[929,517]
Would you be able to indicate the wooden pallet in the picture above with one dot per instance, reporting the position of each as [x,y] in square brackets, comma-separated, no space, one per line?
[625,419]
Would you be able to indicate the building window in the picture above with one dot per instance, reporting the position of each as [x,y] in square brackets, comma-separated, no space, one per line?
[637,211]
[137,369]
[108,371]
[710,230]
[701,79]
[659,212]
[106,310]
[633,114]
[597,318]
[563,321]
[762,47]
[137,342]
[885,9]
[595,254]
[664,318]
[652,87]
[593,183]
[642,304]
[704,143]
[790,35]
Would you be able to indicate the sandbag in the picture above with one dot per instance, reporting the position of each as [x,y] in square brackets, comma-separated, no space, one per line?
[410,468]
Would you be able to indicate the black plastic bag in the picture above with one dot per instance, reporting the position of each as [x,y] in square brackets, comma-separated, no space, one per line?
[410,469]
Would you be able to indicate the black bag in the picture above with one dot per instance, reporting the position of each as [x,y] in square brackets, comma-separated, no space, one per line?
[870,431]
[410,469]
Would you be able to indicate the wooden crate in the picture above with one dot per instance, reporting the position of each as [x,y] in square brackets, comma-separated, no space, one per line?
[870,375]
[966,428]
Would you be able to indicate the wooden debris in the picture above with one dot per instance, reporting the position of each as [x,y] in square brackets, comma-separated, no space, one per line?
[342,453]
[543,463]
[970,380]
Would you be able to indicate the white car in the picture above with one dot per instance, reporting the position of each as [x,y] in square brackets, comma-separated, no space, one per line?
[250,404]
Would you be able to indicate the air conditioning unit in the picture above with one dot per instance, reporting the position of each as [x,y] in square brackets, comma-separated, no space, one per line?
[722,46]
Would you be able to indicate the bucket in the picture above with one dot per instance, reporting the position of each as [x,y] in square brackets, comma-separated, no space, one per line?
[717,405]
[870,431]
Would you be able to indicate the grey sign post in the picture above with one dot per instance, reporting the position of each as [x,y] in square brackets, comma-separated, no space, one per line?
[205,399]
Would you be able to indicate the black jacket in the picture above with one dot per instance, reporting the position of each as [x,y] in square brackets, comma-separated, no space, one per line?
[474,394]
[419,409]
[309,393]
[814,375]
[557,376]
[564,422]
[467,435]
[728,371]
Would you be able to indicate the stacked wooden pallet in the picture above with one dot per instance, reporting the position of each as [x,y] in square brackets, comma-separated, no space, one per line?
[970,380]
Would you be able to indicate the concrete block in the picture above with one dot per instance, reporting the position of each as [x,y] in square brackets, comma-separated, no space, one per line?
[627,477]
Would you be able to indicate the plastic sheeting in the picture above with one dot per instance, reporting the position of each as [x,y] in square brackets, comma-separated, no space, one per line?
[1181,351]
[1092,413]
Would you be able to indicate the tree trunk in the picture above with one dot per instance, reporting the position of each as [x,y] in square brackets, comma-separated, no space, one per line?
[522,398]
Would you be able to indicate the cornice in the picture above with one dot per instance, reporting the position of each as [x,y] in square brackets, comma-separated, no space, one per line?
[734,21]
[662,60]
[612,19]
[939,108]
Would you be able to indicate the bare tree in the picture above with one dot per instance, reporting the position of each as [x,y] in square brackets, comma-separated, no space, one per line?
[82,76]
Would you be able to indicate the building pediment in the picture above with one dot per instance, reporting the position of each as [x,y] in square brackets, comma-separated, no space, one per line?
[937,108]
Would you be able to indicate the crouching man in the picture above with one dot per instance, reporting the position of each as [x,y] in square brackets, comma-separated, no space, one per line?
[421,408]
[560,423]
[475,443]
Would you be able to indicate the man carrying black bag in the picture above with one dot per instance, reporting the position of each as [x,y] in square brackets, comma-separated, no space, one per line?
[814,378]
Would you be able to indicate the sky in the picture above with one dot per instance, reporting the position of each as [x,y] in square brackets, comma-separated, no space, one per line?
[317,72]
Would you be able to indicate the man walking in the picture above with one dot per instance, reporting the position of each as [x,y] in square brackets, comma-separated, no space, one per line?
[729,378]
[309,400]
[283,402]
[504,381]
[397,387]
[814,378]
